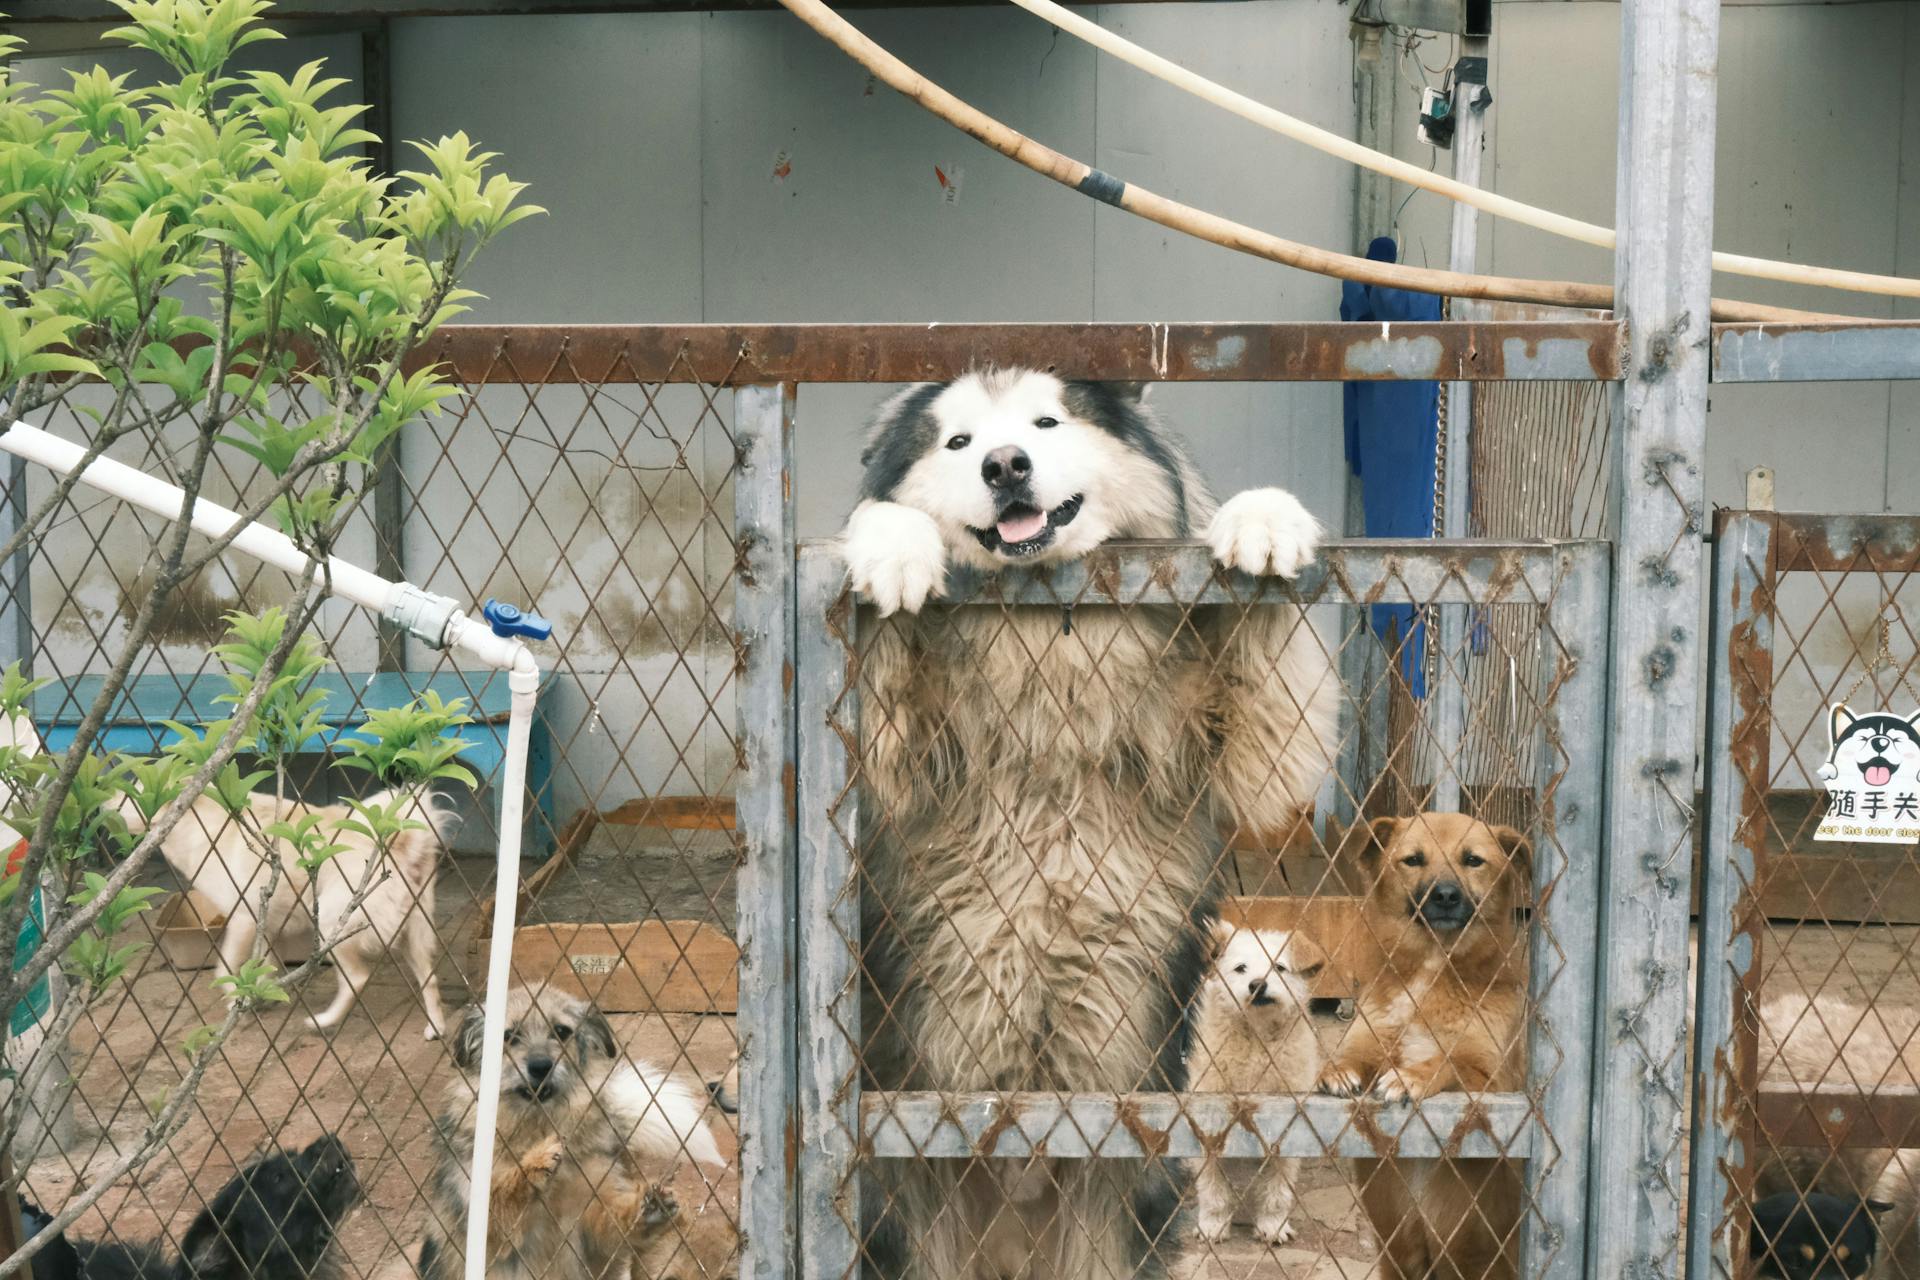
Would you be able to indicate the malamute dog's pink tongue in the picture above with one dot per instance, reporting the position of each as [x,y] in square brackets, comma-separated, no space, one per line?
[1879,775]
[1020,528]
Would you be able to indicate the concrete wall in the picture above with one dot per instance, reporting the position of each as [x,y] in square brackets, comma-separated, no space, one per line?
[733,167]
[1818,152]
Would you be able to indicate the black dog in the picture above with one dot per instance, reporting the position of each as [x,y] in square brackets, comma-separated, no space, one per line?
[1815,1236]
[275,1221]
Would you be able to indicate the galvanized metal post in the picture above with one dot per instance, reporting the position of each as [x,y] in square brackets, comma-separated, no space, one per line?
[829,1214]
[16,587]
[764,618]
[1566,876]
[389,471]
[1669,54]
[1739,727]
[1450,670]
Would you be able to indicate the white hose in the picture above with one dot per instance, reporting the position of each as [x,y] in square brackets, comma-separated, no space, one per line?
[475,638]
[1499,206]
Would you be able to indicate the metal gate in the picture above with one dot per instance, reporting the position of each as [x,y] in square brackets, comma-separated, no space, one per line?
[1528,745]
[1807,1019]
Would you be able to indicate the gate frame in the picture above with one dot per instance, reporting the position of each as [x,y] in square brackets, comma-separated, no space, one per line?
[1753,552]
[1549,1118]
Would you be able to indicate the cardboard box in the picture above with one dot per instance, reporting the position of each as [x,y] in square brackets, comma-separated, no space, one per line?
[652,966]
[186,930]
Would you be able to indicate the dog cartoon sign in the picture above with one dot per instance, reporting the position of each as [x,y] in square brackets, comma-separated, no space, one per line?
[1872,774]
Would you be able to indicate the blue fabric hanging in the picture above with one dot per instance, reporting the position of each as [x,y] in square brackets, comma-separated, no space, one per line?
[1392,431]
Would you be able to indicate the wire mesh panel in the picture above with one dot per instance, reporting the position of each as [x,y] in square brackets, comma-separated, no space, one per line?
[1088,987]
[650,520]
[1805,1125]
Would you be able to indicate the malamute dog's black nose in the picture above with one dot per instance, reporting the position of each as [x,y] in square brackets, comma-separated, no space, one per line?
[1007,465]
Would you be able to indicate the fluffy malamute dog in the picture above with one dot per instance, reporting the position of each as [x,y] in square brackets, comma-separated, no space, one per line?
[1044,796]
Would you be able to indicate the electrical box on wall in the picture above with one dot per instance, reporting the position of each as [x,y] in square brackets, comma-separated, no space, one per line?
[1461,17]
[1436,118]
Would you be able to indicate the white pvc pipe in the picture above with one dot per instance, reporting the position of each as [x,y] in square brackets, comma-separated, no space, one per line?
[1500,206]
[473,637]
[152,494]
[525,685]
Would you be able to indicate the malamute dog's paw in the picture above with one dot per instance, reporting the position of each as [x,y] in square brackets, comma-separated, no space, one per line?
[1264,531]
[1213,1223]
[894,555]
[1273,1231]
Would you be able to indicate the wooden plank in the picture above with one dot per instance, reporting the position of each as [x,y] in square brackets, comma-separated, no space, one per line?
[654,966]
[1829,1117]
[1832,882]
[675,813]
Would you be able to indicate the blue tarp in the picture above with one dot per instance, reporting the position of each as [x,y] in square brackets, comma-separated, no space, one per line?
[1392,431]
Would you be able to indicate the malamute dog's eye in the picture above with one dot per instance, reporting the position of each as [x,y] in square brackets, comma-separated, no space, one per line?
[563,1033]
[959,442]
[1044,423]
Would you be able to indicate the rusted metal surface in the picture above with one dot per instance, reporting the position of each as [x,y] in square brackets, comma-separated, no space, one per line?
[1559,350]
[828,991]
[1869,350]
[100,11]
[763,612]
[1109,1126]
[1835,543]
[1566,869]
[1662,275]
[1726,1145]
[1830,1117]
[1361,571]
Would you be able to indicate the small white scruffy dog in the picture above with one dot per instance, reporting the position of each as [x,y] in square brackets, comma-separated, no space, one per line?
[1254,1036]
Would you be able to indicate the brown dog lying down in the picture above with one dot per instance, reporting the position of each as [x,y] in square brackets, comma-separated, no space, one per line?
[1442,1007]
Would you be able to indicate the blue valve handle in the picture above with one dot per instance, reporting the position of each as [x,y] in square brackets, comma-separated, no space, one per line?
[511,620]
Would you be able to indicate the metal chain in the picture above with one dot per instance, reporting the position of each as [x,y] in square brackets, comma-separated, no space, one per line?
[1882,658]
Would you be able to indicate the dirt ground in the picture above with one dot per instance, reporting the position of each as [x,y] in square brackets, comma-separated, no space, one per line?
[376,1081]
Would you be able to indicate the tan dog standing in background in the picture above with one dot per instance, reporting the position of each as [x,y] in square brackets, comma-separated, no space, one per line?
[1443,1010]
[211,853]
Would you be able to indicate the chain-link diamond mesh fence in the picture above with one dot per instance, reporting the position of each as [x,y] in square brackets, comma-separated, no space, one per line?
[607,503]
[1809,924]
[1110,987]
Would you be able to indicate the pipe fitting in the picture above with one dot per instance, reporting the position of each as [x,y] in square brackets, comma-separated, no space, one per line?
[422,614]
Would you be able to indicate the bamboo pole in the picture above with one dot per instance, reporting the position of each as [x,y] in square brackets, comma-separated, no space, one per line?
[1212,227]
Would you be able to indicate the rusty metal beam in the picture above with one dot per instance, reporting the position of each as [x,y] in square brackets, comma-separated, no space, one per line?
[1168,1125]
[102,11]
[1575,350]
[1867,351]
[1830,1117]
[1834,543]
[1357,571]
